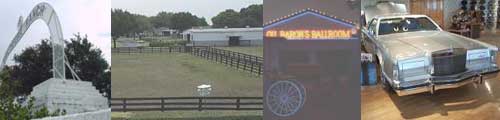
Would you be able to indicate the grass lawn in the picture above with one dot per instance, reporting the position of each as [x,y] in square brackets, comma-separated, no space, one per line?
[188,115]
[177,74]
[254,50]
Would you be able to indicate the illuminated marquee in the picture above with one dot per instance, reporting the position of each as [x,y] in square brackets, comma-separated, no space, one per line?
[320,27]
[311,34]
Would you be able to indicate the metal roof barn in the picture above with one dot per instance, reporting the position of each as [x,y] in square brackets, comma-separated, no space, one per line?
[224,37]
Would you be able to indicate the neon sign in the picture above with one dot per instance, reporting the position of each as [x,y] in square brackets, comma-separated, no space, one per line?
[322,34]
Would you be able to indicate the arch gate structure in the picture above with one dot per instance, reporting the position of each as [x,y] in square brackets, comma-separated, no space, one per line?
[57,93]
[45,12]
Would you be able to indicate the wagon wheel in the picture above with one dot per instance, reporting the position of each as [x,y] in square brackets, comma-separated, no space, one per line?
[285,98]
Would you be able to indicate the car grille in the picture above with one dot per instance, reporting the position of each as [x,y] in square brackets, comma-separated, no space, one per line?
[449,61]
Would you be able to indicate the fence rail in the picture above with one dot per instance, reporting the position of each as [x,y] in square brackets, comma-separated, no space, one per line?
[130,50]
[185,103]
[240,61]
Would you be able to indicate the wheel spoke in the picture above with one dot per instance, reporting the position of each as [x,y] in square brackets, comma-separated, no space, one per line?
[284,98]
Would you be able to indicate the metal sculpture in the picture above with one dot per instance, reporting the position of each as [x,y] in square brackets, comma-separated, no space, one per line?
[43,11]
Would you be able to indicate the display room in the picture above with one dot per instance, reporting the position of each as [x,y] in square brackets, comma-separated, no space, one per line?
[430,59]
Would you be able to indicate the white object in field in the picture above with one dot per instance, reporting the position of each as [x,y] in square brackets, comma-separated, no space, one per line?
[68,95]
[285,98]
[204,89]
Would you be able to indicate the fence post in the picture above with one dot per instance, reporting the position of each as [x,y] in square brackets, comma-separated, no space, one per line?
[260,68]
[200,101]
[124,105]
[225,57]
[231,59]
[129,50]
[162,104]
[221,56]
[198,52]
[217,55]
[207,53]
[204,53]
[251,66]
[169,49]
[245,63]
[238,103]
[195,50]
[212,53]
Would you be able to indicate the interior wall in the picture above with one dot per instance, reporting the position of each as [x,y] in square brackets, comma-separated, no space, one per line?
[450,6]
[365,3]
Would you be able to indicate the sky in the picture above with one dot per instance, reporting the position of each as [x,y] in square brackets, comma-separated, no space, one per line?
[200,8]
[87,17]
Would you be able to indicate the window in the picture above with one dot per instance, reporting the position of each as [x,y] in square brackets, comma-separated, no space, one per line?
[400,25]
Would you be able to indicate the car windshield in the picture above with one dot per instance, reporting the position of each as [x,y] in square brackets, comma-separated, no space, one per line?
[399,25]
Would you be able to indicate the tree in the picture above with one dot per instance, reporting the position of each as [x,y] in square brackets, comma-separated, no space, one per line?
[34,64]
[120,24]
[202,22]
[179,21]
[227,18]
[88,63]
[183,20]
[251,16]
[125,23]
[162,19]
[141,24]
[12,110]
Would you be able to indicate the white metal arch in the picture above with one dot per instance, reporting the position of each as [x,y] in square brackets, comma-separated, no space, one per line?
[43,11]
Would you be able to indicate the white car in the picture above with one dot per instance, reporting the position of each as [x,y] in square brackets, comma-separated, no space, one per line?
[415,55]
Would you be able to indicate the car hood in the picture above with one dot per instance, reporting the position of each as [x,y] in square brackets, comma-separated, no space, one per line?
[412,44]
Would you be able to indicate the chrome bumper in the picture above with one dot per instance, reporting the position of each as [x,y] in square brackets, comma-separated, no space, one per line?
[431,87]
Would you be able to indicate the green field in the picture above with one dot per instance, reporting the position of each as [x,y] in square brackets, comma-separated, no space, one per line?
[189,115]
[177,74]
[253,50]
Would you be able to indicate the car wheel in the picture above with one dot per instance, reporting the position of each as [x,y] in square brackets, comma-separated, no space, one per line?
[385,84]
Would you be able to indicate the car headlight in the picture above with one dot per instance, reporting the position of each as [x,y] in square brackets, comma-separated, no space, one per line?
[413,67]
[395,73]
[478,54]
[493,55]
[493,58]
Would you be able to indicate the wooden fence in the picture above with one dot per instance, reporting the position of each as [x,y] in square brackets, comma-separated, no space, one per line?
[130,50]
[186,103]
[240,61]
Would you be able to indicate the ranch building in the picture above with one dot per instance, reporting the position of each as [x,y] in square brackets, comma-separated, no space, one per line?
[224,36]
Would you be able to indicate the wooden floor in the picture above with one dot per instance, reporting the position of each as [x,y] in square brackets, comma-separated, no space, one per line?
[470,102]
